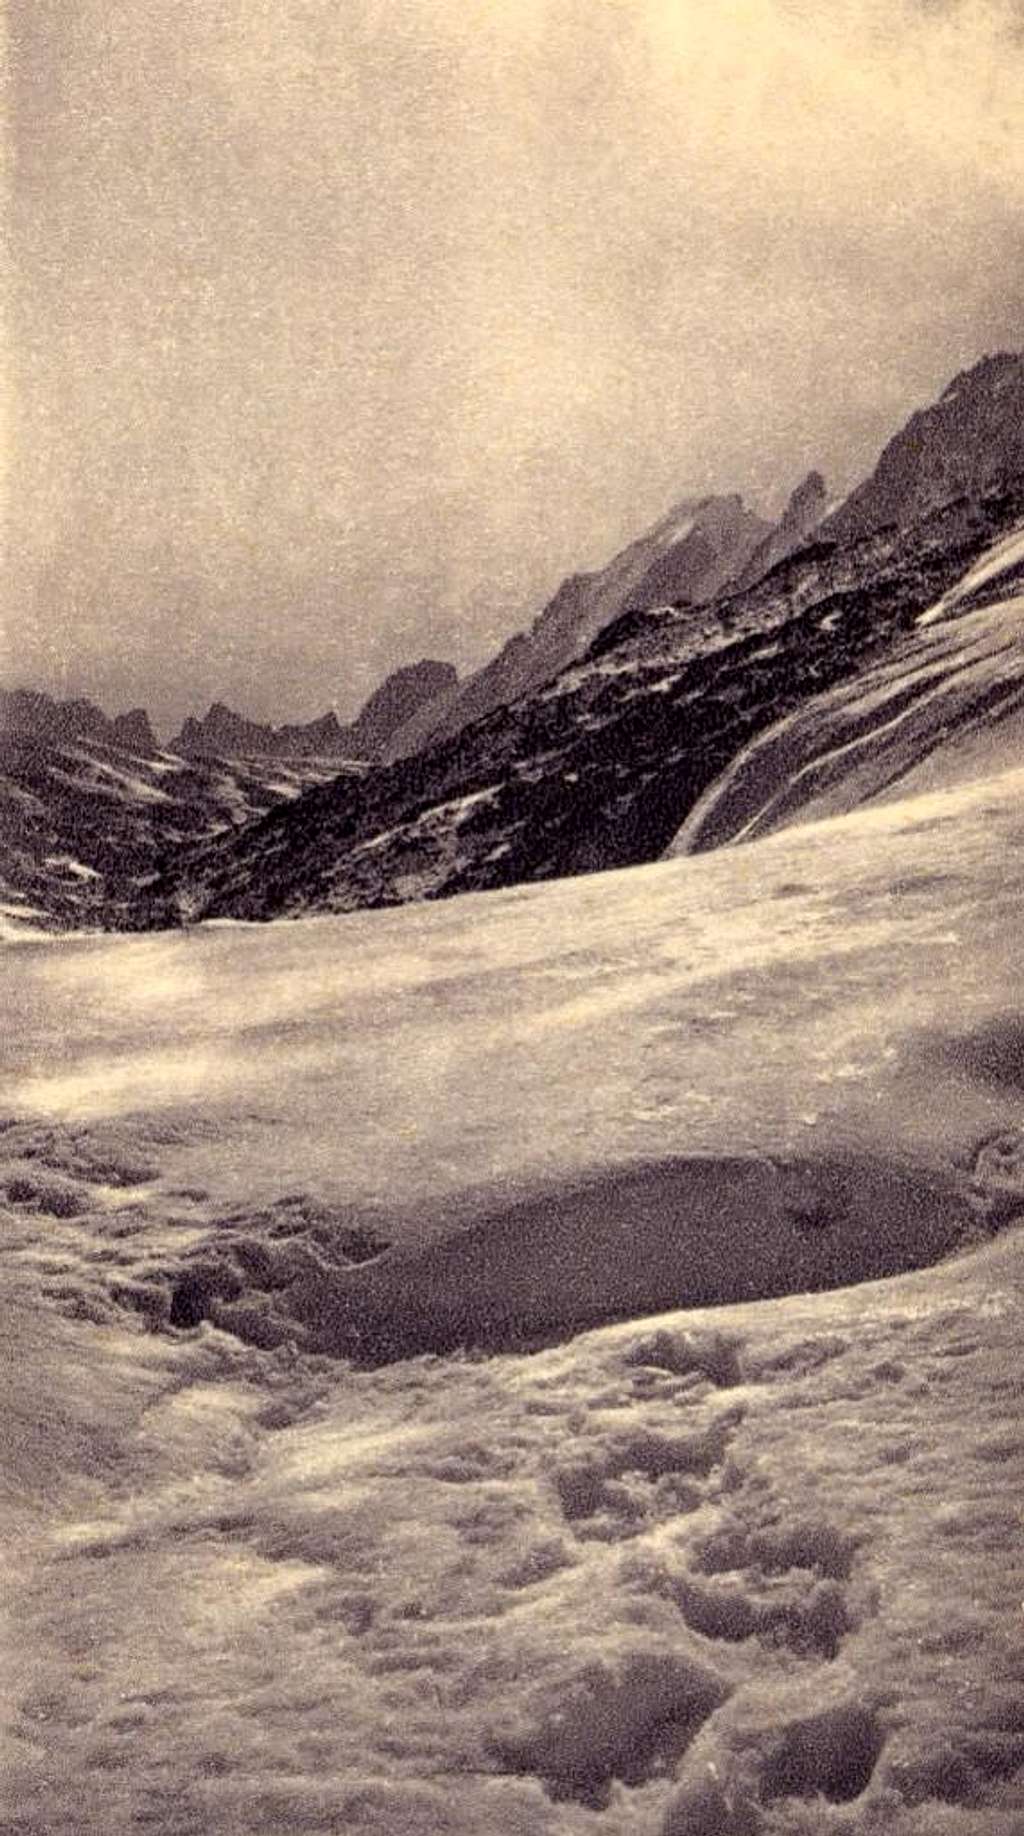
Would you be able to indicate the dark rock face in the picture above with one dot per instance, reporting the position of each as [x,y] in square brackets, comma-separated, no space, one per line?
[399,698]
[220,732]
[690,554]
[801,517]
[224,734]
[323,738]
[415,732]
[698,565]
[972,436]
[39,716]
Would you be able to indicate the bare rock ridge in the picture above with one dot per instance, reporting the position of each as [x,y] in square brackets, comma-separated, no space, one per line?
[224,734]
[133,731]
[601,765]
[803,513]
[398,700]
[972,436]
[221,733]
[687,558]
[689,554]
[34,715]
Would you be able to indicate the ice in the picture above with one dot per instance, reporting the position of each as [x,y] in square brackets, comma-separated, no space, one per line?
[1004,555]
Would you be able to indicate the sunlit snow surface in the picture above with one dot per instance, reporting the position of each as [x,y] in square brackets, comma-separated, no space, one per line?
[756,1568]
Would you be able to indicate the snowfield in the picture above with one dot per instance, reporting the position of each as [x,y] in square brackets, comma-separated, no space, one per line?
[434,1398]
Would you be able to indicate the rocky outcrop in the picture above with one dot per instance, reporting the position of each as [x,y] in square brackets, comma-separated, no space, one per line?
[134,733]
[799,520]
[972,436]
[224,734]
[399,699]
[324,738]
[688,555]
[39,716]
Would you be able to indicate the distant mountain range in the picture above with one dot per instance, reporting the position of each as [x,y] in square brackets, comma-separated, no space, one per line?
[593,739]
[601,765]
[222,733]
[26,712]
[92,809]
[225,734]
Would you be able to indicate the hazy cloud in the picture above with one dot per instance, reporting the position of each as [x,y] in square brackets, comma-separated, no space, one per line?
[344,332]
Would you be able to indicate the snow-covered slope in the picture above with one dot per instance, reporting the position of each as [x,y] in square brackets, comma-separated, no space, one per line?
[753,1571]
[946,704]
[549,1031]
[83,823]
[997,574]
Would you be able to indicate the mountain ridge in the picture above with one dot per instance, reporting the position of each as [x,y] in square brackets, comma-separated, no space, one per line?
[41,716]
[973,434]
[600,767]
[223,733]
[692,550]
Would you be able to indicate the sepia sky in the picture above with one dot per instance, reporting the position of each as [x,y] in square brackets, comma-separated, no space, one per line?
[342,329]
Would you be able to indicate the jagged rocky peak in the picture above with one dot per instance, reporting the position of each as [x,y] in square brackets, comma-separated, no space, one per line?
[401,696]
[962,444]
[33,714]
[221,730]
[803,513]
[703,543]
[324,735]
[223,733]
[807,503]
[689,554]
[599,768]
[133,731]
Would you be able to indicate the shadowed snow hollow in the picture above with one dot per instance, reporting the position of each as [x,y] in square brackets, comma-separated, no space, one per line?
[696,1081]
[748,1571]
